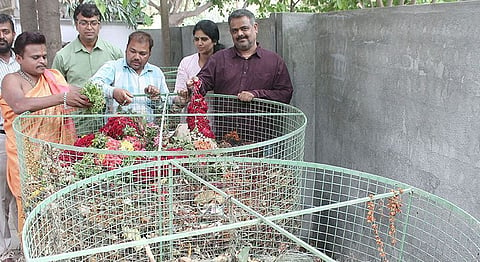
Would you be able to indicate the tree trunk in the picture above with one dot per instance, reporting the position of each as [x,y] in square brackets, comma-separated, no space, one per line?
[165,32]
[28,15]
[49,24]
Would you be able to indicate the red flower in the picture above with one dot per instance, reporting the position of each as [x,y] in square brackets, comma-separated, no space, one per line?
[146,175]
[115,126]
[85,141]
[69,157]
[164,169]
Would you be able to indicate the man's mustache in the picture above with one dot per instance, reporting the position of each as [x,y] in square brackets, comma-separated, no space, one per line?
[241,37]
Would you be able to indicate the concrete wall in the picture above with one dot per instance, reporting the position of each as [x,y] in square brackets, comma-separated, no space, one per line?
[394,92]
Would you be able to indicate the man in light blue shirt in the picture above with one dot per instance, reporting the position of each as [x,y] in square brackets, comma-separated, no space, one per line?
[128,79]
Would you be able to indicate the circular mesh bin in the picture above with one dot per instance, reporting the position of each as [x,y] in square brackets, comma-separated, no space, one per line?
[260,128]
[247,209]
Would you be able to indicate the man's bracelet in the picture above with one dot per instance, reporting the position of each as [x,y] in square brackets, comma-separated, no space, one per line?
[65,99]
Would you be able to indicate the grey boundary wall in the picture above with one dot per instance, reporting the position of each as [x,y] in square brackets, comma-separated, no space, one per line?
[389,91]
[394,92]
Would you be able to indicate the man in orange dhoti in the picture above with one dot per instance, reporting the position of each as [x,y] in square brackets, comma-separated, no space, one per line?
[35,88]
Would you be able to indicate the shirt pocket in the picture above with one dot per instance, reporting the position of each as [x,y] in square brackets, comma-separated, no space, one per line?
[262,80]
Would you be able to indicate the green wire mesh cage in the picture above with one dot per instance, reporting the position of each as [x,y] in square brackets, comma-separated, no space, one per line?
[93,144]
[170,73]
[246,209]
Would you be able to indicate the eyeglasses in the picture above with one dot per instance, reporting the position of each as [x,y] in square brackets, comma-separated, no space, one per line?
[93,23]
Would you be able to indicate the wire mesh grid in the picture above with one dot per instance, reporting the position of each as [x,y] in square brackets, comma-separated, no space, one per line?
[247,209]
[101,142]
[170,73]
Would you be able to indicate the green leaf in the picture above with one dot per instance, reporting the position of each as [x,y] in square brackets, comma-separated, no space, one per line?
[102,7]
[86,167]
[147,20]
[95,95]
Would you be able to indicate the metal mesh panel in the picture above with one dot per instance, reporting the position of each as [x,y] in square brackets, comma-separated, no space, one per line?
[238,208]
[266,128]
[170,73]
[133,204]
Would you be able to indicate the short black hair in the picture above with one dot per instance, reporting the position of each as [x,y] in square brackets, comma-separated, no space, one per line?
[241,13]
[87,10]
[4,18]
[28,38]
[141,36]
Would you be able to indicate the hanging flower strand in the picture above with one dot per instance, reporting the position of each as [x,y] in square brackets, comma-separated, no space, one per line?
[394,208]
[198,105]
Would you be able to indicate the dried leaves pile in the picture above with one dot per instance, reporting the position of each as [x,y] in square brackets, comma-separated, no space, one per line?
[122,209]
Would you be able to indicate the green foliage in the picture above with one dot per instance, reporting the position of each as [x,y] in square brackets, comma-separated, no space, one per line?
[306,6]
[129,11]
[151,137]
[129,131]
[265,7]
[99,141]
[86,167]
[95,94]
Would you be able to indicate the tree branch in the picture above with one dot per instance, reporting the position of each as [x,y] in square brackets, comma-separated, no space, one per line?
[176,19]
[152,4]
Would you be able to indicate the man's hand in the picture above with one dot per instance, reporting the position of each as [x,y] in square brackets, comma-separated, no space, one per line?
[153,92]
[183,96]
[245,96]
[122,96]
[75,99]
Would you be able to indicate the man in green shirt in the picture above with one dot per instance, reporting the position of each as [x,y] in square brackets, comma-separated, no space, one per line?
[82,57]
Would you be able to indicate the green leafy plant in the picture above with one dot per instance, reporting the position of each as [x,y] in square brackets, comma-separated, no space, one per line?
[86,167]
[96,97]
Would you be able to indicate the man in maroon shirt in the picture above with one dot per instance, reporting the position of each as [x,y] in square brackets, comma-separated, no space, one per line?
[246,69]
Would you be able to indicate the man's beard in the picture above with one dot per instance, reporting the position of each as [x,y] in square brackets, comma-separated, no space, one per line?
[243,46]
[5,47]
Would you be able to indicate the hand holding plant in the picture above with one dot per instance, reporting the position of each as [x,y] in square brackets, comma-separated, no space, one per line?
[95,95]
